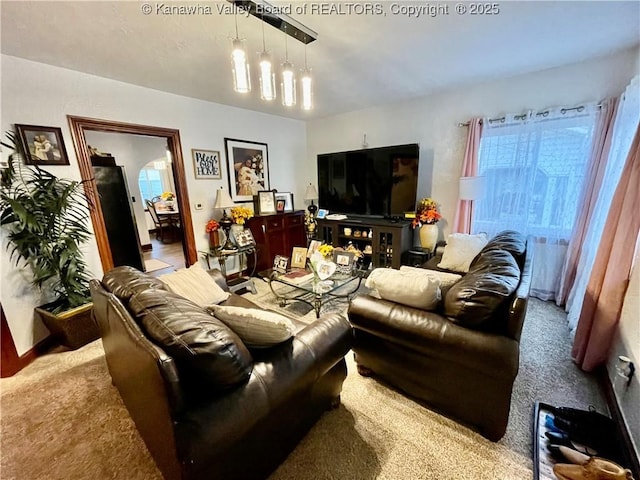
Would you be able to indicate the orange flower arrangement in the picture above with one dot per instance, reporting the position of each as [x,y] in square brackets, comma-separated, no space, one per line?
[426,213]
[212,226]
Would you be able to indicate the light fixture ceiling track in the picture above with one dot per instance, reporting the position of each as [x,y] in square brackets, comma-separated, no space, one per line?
[271,14]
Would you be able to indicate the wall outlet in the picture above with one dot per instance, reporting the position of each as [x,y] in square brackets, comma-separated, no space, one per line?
[198,206]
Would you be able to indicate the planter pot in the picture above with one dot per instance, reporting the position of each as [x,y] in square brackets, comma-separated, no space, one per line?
[429,236]
[214,239]
[73,328]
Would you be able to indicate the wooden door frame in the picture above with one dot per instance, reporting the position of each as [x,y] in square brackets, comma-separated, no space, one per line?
[78,126]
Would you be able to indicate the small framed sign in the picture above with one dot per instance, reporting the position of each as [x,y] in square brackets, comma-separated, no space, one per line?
[206,164]
[298,257]
[322,213]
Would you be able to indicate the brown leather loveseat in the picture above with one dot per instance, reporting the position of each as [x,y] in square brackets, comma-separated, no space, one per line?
[462,358]
[217,409]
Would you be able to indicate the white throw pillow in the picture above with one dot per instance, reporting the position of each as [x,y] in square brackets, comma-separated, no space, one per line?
[256,328]
[460,251]
[406,287]
[195,284]
[446,279]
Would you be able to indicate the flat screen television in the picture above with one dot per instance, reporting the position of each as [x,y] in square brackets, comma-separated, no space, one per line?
[380,182]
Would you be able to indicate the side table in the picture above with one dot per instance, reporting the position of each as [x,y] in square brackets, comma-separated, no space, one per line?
[235,284]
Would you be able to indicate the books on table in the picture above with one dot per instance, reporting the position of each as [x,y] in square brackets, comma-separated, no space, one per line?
[297,276]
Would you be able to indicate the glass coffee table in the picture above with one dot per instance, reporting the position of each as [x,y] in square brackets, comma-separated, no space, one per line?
[302,287]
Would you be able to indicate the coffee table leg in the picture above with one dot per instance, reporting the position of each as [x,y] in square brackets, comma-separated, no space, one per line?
[317,303]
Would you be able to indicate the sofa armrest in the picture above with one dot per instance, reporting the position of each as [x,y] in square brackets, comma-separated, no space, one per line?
[435,335]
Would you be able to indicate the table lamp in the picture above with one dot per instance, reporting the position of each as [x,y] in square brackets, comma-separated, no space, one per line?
[223,201]
[311,194]
[472,188]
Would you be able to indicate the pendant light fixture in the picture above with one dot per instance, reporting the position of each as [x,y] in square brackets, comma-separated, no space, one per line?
[267,75]
[307,84]
[288,84]
[240,66]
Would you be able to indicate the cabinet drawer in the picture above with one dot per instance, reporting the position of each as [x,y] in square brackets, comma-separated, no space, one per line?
[273,223]
[293,220]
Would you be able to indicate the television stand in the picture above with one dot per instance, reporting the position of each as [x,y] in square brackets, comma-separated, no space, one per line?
[387,239]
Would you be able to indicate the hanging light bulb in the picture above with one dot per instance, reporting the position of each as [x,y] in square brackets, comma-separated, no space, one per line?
[307,84]
[267,75]
[240,67]
[288,84]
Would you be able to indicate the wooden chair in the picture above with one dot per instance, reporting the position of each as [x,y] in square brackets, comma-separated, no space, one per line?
[162,225]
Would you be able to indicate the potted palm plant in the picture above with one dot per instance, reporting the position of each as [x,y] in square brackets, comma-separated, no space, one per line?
[45,219]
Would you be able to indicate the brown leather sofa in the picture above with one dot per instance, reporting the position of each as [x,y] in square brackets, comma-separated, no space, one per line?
[238,414]
[462,359]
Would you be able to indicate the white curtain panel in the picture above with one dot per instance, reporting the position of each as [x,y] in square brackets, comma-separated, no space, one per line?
[534,164]
[624,129]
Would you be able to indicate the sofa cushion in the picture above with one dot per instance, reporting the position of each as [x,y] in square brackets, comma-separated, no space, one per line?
[257,328]
[125,281]
[407,287]
[460,251]
[445,279]
[195,284]
[206,351]
[513,242]
[473,301]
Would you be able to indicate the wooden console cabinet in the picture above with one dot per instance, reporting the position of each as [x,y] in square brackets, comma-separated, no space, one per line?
[276,235]
[388,240]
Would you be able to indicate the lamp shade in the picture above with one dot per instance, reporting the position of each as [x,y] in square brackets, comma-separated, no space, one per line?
[223,200]
[472,188]
[311,193]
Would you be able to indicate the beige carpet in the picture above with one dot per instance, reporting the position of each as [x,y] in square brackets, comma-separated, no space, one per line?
[62,419]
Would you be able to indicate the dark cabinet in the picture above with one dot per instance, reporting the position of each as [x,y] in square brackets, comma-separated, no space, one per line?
[276,235]
[385,240]
[119,219]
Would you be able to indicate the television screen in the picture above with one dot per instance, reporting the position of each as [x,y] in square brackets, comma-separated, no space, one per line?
[376,181]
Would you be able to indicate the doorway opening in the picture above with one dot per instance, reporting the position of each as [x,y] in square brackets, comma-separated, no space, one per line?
[81,128]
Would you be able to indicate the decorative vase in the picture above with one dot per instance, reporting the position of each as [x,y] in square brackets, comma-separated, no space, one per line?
[214,239]
[429,236]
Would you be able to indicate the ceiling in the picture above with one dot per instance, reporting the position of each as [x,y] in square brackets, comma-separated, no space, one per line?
[359,60]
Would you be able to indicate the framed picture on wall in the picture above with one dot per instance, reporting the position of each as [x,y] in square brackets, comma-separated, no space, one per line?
[248,165]
[206,164]
[42,145]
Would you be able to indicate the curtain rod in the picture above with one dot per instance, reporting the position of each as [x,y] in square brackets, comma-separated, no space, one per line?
[524,115]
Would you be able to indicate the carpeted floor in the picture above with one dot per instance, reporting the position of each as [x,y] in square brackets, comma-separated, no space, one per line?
[62,419]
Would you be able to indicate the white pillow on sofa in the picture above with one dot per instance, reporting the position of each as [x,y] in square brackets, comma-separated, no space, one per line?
[195,284]
[414,289]
[460,251]
[256,328]
[446,279]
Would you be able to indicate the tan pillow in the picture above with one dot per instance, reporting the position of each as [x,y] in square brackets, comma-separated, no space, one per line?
[195,284]
[406,287]
[460,251]
[446,279]
[256,328]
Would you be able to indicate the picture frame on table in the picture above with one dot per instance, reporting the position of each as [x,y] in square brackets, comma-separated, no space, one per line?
[206,164]
[279,205]
[248,168]
[42,145]
[342,258]
[322,213]
[298,257]
[265,202]
[281,263]
[287,199]
[245,238]
[314,245]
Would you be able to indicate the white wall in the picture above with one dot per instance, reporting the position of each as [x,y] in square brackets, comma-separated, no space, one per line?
[38,94]
[132,152]
[432,121]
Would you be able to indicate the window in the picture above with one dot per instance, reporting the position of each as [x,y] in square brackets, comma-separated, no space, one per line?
[534,172]
[153,182]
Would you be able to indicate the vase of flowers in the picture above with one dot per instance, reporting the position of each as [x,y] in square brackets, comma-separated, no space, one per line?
[214,235]
[427,216]
[168,198]
[240,215]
